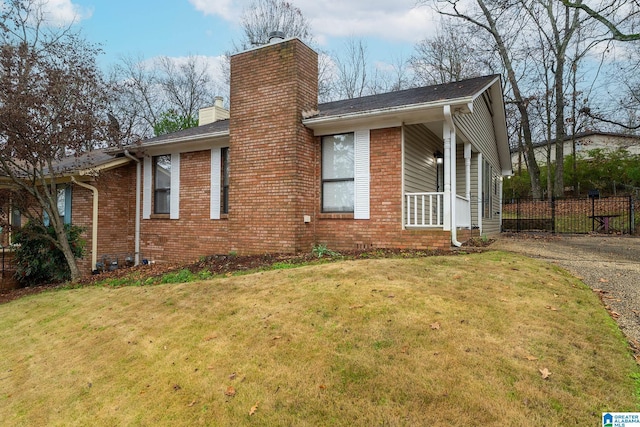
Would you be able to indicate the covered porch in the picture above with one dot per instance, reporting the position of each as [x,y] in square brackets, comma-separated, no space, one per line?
[439,181]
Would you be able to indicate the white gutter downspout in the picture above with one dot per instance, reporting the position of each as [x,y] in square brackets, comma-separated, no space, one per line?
[449,130]
[94,222]
[137,225]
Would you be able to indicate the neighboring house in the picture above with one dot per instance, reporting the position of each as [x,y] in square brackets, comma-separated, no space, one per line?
[420,168]
[584,142]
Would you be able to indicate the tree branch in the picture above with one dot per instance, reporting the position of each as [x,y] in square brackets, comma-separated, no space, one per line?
[615,32]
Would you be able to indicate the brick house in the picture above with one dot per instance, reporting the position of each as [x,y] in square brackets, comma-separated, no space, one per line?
[419,168]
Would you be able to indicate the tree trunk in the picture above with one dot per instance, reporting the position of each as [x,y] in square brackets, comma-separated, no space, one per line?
[532,163]
[68,255]
[558,185]
[62,241]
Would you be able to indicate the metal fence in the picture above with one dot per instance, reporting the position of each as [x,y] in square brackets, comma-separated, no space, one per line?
[608,215]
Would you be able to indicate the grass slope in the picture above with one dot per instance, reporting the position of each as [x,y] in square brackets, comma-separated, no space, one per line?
[441,340]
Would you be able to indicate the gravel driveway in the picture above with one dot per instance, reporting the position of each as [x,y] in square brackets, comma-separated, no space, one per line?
[607,263]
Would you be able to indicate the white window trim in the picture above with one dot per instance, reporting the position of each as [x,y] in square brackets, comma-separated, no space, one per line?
[146,191]
[216,176]
[174,210]
[362,176]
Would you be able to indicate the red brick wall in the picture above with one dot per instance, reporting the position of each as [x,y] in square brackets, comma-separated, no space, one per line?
[116,217]
[194,234]
[384,228]
[271,152]
[275,179]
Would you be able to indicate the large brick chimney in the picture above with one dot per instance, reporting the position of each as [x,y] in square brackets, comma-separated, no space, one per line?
[271,187]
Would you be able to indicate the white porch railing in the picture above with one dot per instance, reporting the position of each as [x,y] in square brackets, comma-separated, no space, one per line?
[424,210]
[463,212]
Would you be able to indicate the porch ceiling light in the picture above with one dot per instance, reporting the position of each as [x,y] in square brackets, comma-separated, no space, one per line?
[439,157]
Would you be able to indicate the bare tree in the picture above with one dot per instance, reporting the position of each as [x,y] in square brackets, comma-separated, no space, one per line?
[450,55]
[139,102]
[557,25]
[393,76]
[503,24]
[607,13]
[352,72]
[534,39]
[621,111]
[148,90]
[53,102]
[263,17]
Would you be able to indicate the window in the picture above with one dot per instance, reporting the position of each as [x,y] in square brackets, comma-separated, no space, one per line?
[487,178]
[338,173]
[162,184]
[63,202]
[16,218]
[224,167]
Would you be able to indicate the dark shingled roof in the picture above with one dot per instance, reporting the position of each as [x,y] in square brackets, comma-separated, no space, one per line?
[398,99]
[209,128]
[419,95]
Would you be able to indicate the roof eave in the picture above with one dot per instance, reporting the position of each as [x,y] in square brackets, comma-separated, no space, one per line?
[500,126]
[187,142]
[95,170]
[386,117]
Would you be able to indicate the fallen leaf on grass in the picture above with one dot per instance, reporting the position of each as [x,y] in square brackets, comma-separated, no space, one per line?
[277,337]
[531,358]
[253,409]
[230,391]
[545,373]
[322,386]
[551,308]
[435,325]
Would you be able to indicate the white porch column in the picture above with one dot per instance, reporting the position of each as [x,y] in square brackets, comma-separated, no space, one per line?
[467,175]
[480,184]
[448,209]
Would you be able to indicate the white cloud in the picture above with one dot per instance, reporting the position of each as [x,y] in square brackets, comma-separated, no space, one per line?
[226,9]
[64,12]
[399,20]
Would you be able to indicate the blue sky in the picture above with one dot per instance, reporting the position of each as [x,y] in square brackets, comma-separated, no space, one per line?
[177,28]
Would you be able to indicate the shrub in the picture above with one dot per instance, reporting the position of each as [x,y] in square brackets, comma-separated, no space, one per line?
[321,250]
[38,259]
